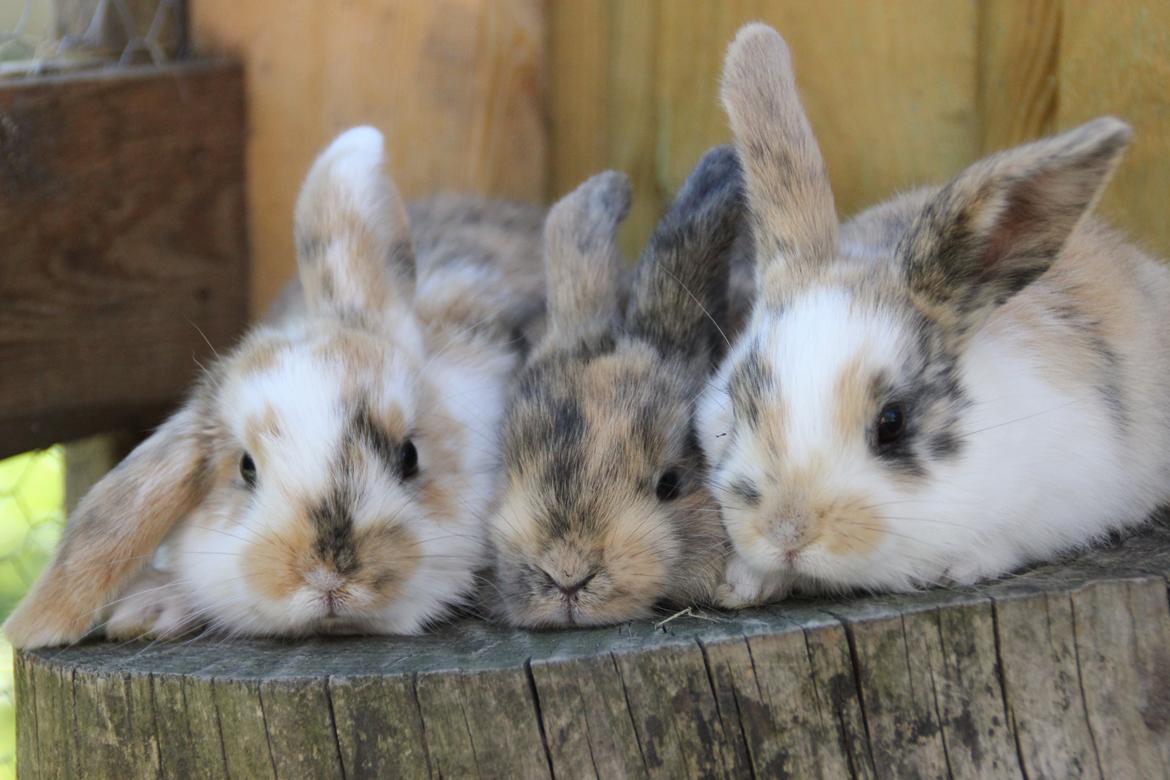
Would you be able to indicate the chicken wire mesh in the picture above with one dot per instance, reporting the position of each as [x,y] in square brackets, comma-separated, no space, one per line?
[51,35]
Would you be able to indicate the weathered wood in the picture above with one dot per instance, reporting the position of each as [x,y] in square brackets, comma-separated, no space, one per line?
[1062,671]
[456,85]
[122,197]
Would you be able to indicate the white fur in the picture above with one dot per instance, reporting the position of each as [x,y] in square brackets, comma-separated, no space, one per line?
[1042,468]
[309,394]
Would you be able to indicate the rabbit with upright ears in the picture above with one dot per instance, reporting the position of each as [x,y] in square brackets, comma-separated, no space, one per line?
[958,382]
[605,512]
[333,473]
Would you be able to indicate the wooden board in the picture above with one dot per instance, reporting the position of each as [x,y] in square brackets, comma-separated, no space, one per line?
[121,200]
[890,89]
[457,86]
[1063,671]
[1114,60]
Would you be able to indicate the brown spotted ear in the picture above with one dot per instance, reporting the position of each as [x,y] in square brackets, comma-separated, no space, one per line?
[354,251]
[678,299]
[1001,223]
[794,220]
[581,257]
[115,530]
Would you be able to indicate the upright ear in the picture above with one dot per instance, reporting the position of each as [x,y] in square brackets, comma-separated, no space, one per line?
[793,217]
[1001,223]
[115,530]
[679,295]
[353,242]
[582,261]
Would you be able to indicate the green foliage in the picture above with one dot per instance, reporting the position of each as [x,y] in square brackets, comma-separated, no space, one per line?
[32,512]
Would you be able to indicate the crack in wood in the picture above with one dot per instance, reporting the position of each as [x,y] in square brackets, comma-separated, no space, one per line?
[630,711]
[540,719]
[333,728]
[1081,687]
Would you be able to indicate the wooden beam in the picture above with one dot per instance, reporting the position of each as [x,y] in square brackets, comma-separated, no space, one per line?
[124,257]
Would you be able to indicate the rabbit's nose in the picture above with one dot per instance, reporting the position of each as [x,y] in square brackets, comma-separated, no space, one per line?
[325,580]
[571,589]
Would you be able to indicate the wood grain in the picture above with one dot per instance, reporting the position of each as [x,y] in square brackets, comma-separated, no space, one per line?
[456,85]
[1113,60]
[635,87]
[1063,671]
[122,194]
[1019,48]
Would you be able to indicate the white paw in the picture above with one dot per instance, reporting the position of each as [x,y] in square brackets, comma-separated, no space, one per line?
[151,608]
[744,586]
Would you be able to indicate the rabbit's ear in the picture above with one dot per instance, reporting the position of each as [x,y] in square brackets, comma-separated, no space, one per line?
[115,530]
[582,261]
[1001,223]
[354,251]
[794,219]
[679,295]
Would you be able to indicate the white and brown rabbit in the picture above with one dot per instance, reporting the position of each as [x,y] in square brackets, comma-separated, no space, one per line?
[334,472]
[958,382]
[605,512]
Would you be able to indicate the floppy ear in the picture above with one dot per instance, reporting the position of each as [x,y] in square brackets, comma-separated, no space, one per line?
[1001,223]
[354,252]
[793,217]
[115,530]
[581,257]
[679,295]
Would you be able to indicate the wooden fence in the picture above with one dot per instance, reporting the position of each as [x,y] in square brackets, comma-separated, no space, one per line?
[524,99]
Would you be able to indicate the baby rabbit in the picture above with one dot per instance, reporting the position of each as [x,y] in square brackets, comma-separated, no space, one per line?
[333,473]
[957,382]
[604,511]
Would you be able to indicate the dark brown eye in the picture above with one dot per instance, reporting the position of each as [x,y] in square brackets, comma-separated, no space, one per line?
[891,423]
[248,470]
[668,486]
[407,460]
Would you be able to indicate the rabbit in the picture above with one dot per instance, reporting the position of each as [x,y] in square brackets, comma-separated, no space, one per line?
[956,383]
[333,473]
[604,511]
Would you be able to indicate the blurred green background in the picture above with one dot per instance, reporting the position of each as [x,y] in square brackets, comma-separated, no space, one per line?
[32,512]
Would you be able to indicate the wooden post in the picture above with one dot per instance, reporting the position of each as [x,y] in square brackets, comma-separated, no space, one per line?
[1063,672]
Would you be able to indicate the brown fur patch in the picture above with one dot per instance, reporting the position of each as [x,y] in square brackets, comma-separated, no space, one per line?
[259,356]
[852,400]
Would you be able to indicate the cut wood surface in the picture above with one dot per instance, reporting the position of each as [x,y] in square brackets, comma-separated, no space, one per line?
[1063,671]
[122,207]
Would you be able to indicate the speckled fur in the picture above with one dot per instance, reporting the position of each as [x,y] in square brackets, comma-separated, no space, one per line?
[605,408]
[406,325]
[1027,345]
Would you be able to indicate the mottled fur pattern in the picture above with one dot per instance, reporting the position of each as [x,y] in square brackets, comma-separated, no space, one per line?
[332,473]
[1022,349]
[605,511]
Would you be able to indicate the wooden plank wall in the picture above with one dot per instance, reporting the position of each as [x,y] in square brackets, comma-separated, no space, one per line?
[900,92]
[524,98]
[456,84]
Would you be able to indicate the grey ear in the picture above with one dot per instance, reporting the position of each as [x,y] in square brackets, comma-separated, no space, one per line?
[582,261]
[354,251]
[794,220]
[1001,223]
[679,296]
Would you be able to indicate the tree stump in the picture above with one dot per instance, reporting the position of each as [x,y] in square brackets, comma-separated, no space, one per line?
[1063,671]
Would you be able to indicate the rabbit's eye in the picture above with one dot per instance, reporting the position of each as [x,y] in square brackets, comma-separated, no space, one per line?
[669,486]
[248,470]
[891,423]
[407,460]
